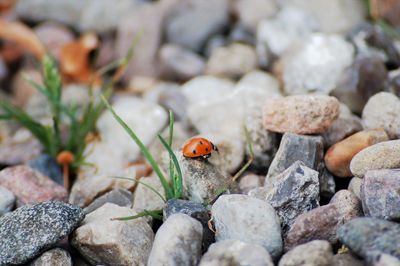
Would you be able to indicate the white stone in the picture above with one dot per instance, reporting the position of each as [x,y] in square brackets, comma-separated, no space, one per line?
[251,12]
[146,199]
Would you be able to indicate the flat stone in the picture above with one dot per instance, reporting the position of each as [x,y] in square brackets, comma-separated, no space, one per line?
[49,222]
[317,252]
[177,242]
[7,201]
[56,256]
[120,197]
[383,155]
[380,194]
[300,114]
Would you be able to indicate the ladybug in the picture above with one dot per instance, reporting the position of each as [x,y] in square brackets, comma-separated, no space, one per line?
[196,148]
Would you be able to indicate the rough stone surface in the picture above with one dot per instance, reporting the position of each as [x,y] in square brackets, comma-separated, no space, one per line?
[248,219]
[339,156]
[49,222]
[46,165]
[7,200]
[120,197]
[317,252]
[56,256]
[29,186]
[236,252]
[380,194]
[383,155]
[381,111]
[366,236]
[301,114]
[355,186]
[177,242]
[98,236]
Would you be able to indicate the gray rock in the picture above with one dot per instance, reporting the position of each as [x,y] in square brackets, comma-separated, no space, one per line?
[46,164]
[177,242]
[366,236]
[317,252]
[56,256]
[7,201]
[49,222]
[308,149]
[355,186]
[380,194]
[327,185]
[240,34]
[249,182]
[382,259]
[192,22]
[248,219]
[346,259]
[120,197]
[236,252]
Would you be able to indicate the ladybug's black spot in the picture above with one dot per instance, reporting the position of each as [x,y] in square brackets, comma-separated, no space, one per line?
[201,143]
[194,151]
[206,149]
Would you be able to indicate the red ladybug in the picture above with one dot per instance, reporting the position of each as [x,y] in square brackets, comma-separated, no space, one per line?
[198,148]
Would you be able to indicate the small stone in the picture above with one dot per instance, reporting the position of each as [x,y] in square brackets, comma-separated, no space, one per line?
[98,236]
[49,222]
[30,186]
[145,198]
[300,114]
[382,259]
[346,259]
[339,156]
[366,236]
[380,194]
[355,186]
[232,61]
[248,219]
[240,34]
[383,155]
[250,13]
[381,111]
[48,166]
[348,203]
[120,197]
[317,252]
[236,252]
[177,242]
[7,201]
[249,182]
[56,256]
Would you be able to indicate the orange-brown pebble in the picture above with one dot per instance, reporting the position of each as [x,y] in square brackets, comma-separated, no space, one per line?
[339,155]
[65,157]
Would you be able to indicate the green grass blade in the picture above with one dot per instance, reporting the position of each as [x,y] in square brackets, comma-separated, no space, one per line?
[156,214]
[170,138]
[142,183]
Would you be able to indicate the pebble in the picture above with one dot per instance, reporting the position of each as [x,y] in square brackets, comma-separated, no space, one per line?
[366,236]
[49,222]
[120,197]
[145,198]
[30,186]
[380,194]
[346,259]
[300,114]
[251,220]
[317,252]
[249,182]
[250,13]
[7,201]
[355,186]
[177,242]
[383,155]
[98,236]
[339,156]
[382,259]
[316,64]
[48,166]
[236,252]
[232,61]
[56,256]
[381,111]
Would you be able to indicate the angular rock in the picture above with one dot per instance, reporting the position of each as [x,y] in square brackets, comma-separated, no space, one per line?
[7,201]
[380,194]
[98,236]
[177,242]
[120,197]
[48,166]
[383,155]
[30,186]
[346,259]
[339,156]
[254,221]
[308,149]
[366,236]
[381,111]
[56,256]
[300,114]
[49,222]
[236,252]
[317,252]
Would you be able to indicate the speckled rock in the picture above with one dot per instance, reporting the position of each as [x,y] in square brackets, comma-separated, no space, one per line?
[98,236]
[366,236]
[383,155]
[49,222]
[56,256]
[355,186]
[301,114]
[339,156]
[381,111]
[236,252]
[248,219]
[346,259]
[7,201]
[120,197]
[30,186]
[177,242]
[48,166]
[380,194]
[317,252]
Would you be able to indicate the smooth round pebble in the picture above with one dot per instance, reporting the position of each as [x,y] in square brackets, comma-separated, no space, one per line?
[317,252]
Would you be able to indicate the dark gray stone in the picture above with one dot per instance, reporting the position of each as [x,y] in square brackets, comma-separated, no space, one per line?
[293,147]
[46,164]
[366,236]
[327,185]
[29,230]
[120,197]
[380,194]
